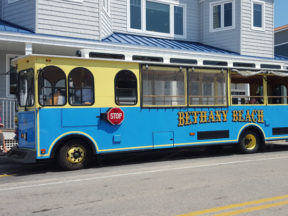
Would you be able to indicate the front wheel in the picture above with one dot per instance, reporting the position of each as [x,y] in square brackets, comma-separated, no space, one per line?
[73,155]
[249,142]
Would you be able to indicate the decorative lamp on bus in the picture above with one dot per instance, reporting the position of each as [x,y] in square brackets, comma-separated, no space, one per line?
[115,116]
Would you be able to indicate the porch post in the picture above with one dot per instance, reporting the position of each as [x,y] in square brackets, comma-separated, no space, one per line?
[28,48]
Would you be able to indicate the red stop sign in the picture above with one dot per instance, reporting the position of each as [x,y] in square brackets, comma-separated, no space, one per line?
[115,116]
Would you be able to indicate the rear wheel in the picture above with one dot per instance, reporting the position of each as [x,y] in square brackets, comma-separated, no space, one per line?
[249,142]
[73,155]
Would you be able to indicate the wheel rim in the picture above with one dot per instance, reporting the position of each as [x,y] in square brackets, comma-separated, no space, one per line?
[75,154]
[250,141]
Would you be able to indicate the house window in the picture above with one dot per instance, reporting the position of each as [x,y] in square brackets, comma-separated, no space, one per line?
[135,14]
[160,12]
[178,20]
[152,16]
[222,15]
[258,15]
[217,16]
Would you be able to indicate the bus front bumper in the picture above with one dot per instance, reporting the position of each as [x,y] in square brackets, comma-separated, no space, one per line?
[21,155]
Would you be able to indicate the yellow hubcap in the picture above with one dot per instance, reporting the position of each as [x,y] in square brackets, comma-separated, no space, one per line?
[250,141]
[75,154]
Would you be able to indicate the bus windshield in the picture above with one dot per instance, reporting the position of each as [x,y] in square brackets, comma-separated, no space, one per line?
[26,88]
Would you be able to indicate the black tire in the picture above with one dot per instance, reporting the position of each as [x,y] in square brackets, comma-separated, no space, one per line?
[73,155]
[249,142]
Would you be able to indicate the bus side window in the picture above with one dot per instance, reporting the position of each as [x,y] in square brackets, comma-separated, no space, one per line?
[81,87]
[247,90]
[125,88]
[277,89]
[52,86]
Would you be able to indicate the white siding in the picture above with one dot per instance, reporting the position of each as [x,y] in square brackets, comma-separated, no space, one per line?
[119,16]
[68,18]
[225,39]
[256,42]
[21,13]
[106,23]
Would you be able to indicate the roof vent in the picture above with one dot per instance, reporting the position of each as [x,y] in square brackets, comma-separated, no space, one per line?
[106,55]
[183,61]
[243,64]
[269,66]
[147,58]
[215,63]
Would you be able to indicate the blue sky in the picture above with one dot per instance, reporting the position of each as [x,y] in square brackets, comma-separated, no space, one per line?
[281,12]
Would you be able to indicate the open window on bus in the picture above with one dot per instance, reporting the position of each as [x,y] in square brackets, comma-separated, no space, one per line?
[26,88]
[207,87]
[163,86]
[277,89]
[125,88]
[246,88]
[81,87]
[52,86]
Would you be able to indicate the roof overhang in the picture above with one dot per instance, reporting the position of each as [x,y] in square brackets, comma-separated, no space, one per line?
[130,50]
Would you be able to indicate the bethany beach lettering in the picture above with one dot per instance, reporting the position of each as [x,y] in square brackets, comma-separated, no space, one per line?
[195,117]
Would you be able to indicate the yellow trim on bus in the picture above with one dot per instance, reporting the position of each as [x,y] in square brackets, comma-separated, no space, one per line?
[66,134]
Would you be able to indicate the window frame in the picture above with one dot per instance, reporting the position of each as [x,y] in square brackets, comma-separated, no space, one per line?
[273,96]
[144,30]
[38,88]
[33,90]
[185,71]
[222,28]
[262,14]
[136,102]
[68,88]
[9,58]
[203,70]
[264,86]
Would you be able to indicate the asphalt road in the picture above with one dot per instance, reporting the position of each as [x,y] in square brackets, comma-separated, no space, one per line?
[183,182]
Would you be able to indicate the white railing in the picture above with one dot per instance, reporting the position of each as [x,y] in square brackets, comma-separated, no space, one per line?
[8,112]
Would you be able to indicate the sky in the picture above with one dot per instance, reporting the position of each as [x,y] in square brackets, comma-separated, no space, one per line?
[281,13]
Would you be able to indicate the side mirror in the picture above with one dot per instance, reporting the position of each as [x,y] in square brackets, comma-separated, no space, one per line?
[13,81]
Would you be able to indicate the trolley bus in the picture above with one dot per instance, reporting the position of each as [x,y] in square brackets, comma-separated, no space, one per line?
[71,108]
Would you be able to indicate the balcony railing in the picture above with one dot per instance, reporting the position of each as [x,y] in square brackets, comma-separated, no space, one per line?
[8,112]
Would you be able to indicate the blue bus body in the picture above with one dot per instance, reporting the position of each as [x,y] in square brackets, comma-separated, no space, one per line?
[147,128]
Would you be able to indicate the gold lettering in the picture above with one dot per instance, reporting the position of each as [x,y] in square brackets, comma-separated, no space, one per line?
[254,112]
[235,115]
[260,116]
[195,117]
[211,117]
[224,114]
[203,117]
[240,113]
[248,116]
[218,116]
[181,120]
[187,118]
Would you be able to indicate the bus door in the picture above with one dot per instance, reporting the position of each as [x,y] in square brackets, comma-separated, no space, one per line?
[27,118]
